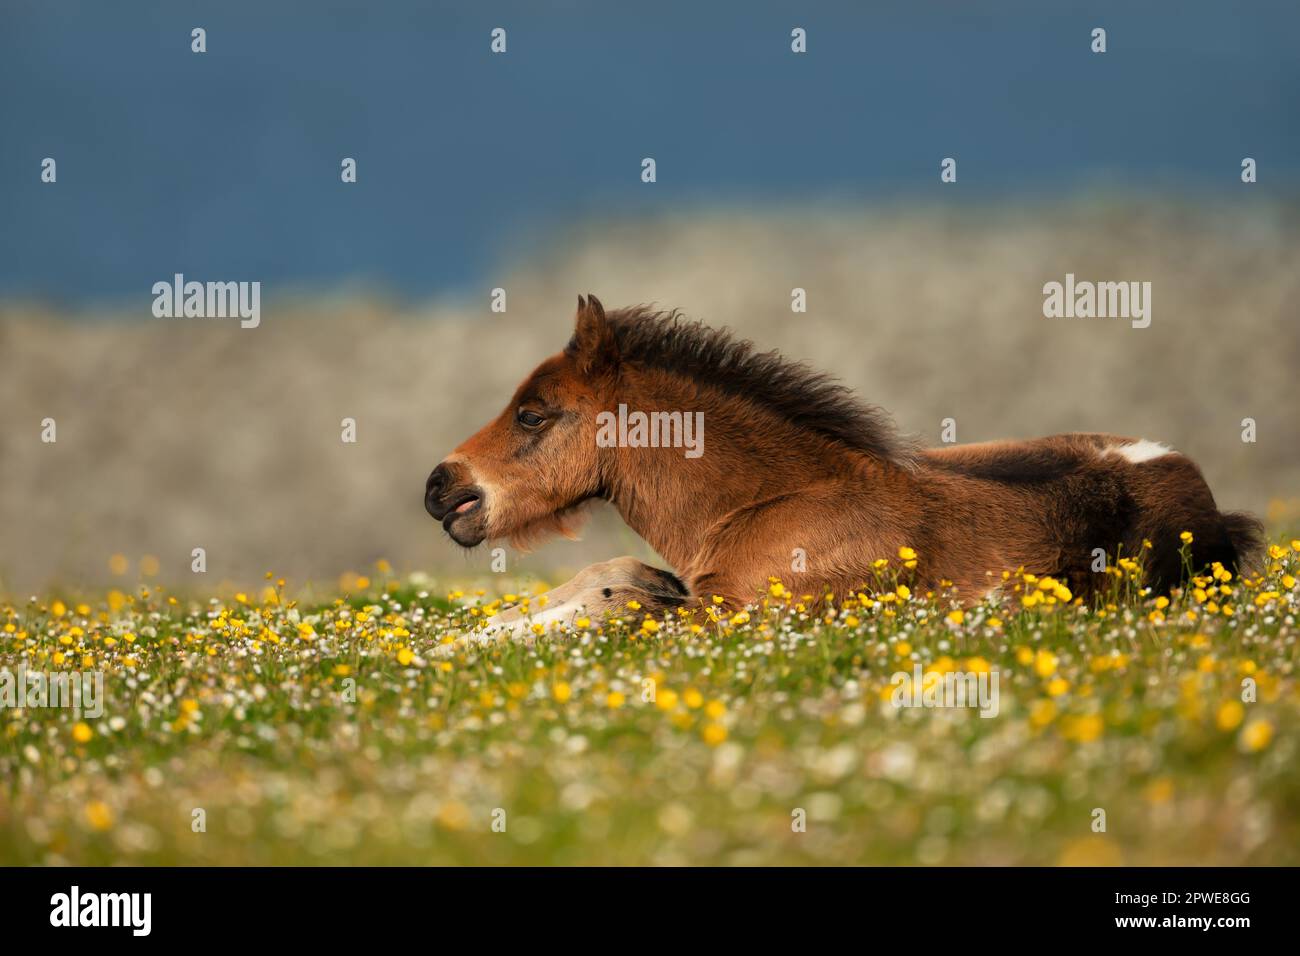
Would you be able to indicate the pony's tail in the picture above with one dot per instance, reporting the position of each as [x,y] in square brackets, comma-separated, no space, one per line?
[1245,535]
[1233,539]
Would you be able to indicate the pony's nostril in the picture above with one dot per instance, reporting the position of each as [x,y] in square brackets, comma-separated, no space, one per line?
[433,489]
[437,480]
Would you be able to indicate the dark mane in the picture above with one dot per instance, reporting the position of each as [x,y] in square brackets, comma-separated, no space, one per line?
[802,396]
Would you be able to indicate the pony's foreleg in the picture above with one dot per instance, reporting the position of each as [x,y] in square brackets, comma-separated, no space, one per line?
[604,588]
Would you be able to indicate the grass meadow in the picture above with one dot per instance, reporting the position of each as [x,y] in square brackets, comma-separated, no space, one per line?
[252,728]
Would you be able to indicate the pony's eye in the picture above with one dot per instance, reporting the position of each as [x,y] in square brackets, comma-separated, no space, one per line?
[529,419]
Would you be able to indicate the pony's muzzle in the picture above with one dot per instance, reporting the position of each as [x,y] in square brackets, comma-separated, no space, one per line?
[446,498]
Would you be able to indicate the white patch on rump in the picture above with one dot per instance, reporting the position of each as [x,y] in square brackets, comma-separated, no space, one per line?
[1140,451]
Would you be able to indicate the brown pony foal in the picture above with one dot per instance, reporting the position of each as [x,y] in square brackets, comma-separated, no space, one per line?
[796,473]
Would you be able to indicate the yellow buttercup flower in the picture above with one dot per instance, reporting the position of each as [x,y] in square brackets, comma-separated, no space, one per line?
[99,815]
[1160,790]
[1256,735]
[1084,729]
[1229,715]
[1042,712]
[1045,663]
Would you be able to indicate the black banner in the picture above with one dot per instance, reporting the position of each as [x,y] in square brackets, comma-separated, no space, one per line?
[333,905]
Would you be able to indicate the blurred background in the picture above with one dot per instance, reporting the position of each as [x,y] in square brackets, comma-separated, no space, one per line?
[522,171]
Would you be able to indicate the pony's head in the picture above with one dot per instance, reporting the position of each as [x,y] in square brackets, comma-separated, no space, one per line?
[527,472]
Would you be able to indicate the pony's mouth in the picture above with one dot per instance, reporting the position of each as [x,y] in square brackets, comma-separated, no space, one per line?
[462,522]
[459,507]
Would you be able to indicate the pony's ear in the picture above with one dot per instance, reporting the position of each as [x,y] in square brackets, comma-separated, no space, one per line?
[593,342]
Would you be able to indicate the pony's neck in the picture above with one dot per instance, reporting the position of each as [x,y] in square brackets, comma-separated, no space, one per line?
[748,455]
